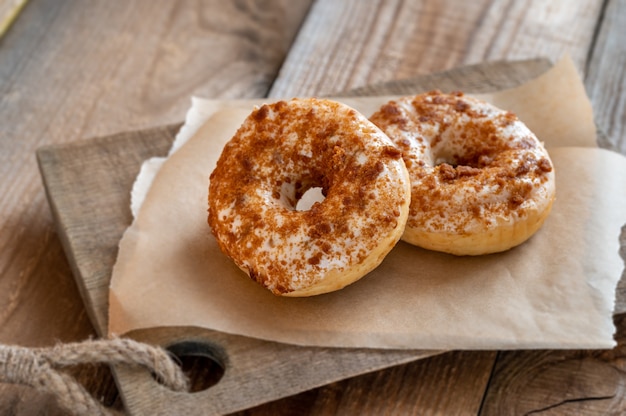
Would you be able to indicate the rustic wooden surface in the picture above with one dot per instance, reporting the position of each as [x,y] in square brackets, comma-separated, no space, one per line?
[71,70]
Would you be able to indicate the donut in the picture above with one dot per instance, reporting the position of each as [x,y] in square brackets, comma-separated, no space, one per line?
[481,181]
[284,149]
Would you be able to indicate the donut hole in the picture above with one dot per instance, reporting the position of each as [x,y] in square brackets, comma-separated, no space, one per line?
[449,149]
[476,158]
[472,143]
[310,196]
[441,159]
[445,157]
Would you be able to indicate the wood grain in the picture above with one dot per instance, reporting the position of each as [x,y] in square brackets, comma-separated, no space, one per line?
[345,45]
[450,384]
[560,382]
[100,173]
[478,79]
[606,80]
[255,371]
[73,69]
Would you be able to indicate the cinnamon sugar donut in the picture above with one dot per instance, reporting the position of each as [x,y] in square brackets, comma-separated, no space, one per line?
[282,150]
[481,181]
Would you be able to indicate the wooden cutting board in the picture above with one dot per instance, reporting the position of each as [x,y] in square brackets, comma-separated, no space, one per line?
[88,187]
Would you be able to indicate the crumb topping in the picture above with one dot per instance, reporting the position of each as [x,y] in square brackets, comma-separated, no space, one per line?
[470,163]
[282,150]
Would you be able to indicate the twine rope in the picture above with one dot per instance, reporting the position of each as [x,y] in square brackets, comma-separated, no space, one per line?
[41,368]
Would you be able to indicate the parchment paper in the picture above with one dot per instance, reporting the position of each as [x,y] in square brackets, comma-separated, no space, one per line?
[554,291]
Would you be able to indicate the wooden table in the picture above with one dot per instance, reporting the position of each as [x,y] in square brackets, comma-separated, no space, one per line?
[70,70]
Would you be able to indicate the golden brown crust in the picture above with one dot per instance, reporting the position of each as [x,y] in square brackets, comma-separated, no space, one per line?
[281,151]
[474,169]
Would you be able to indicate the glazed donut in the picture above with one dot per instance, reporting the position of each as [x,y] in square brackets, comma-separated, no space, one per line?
[481,181]
[282,150]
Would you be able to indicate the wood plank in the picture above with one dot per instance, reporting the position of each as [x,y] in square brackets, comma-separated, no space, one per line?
[255,371]
[446,384]
[605,79]
[478,78]
[560,382]
[73,69]
[348,44]
[101,172]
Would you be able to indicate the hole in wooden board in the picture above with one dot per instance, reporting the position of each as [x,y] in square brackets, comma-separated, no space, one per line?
[203,364]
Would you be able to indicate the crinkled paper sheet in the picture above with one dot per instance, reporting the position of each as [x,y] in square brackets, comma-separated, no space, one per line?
[555,291]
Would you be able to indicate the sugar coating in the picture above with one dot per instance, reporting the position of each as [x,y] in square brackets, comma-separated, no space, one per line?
[282,150]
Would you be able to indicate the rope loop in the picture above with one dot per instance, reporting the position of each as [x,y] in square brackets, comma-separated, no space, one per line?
[41,368]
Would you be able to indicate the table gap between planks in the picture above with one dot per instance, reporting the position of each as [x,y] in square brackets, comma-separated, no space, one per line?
[72,70]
